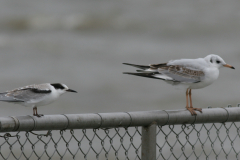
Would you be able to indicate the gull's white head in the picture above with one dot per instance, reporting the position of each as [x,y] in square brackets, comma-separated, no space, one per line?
[216,61]
[61,88]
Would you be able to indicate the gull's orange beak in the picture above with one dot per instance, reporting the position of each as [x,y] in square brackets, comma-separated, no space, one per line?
[229,66]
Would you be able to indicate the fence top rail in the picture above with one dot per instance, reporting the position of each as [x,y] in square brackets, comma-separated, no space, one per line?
[117,119]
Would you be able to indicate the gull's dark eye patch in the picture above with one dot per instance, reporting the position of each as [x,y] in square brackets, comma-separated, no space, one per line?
[211,60]
[218,61]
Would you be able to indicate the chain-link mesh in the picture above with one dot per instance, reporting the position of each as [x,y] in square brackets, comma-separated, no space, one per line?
[197,141]
[116,143]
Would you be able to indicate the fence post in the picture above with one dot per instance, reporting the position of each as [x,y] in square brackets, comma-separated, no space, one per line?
[149,142]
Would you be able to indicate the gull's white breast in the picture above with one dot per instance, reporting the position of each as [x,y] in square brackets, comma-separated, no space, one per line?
[211,74]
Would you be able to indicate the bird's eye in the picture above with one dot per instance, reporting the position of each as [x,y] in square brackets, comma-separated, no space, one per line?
[218,62]
[211,60]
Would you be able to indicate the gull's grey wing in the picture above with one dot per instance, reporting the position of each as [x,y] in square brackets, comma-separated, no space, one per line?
[182,74]
[174,73]
[26,94]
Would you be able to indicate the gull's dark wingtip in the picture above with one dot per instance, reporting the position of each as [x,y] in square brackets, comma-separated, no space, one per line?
[128,73]
[128,64]
[137,66]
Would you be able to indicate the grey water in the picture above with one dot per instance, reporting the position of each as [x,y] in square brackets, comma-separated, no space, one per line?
[84,43]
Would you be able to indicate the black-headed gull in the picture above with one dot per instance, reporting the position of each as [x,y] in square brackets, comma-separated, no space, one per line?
[187,73]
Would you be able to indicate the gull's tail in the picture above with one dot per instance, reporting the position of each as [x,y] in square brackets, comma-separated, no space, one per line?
[150,71]
[154,75]
[151,67]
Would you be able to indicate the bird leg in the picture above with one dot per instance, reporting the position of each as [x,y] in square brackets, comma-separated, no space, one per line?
[191,109]
[191,106]
[187,99]
[35,112]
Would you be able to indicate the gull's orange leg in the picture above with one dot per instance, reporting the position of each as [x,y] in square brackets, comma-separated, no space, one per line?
[191,106]
[190,97]
[187,106]
[187,99]
[190,109]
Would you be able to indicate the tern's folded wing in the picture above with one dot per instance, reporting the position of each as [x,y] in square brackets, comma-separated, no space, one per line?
[27,94]
[5,98]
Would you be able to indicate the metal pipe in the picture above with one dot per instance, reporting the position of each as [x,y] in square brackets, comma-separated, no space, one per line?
[149,142]
[118,119]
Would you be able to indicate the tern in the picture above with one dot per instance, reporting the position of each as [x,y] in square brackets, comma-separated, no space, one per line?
[35,95]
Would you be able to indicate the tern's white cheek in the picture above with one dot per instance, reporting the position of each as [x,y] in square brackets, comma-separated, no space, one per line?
[60,92]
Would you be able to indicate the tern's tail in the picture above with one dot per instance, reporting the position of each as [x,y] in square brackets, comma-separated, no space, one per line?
[5,98]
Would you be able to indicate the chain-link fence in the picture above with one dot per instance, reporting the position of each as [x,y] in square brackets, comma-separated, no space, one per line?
[117,143]
[173,141]
[199,141]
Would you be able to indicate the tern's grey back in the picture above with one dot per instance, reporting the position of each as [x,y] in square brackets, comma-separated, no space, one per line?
[26,93]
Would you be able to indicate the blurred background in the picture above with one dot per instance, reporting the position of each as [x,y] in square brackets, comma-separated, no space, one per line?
[84,43]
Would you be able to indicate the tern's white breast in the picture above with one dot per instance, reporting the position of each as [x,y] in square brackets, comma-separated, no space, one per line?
[47,99]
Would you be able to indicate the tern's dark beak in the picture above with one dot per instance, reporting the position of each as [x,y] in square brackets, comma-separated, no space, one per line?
[229,66]
[70,90]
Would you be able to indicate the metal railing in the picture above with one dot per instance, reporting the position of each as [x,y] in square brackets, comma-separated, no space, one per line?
[149,135]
